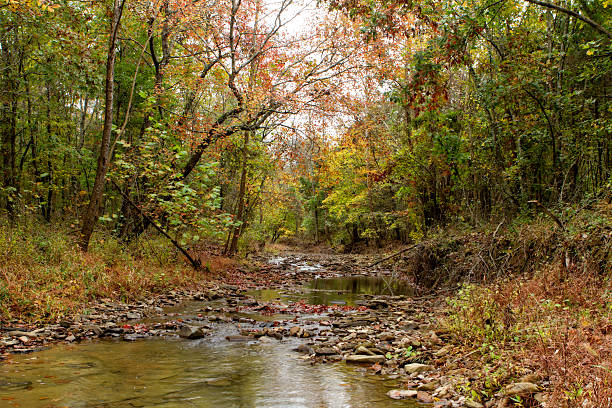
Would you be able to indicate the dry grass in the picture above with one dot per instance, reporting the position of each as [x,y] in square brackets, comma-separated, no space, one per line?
[44,276]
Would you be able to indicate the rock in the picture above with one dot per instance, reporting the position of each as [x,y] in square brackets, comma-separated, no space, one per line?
[267,339]
[425,397]
[365,359]
[24,339]
[303,348]
[431,386]
[238,338]
[324,351]
[417,368]
[401,394]
[133,316]
[191,332]
[295,331]
[521,388]
[410,325]
[386,336]
[472,404]
[71,338]
[364,351]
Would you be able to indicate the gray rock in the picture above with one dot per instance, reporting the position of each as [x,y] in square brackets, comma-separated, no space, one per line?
[472,404]
[133,316]
[191,332]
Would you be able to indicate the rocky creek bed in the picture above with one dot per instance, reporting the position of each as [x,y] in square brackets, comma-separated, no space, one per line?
[323,311]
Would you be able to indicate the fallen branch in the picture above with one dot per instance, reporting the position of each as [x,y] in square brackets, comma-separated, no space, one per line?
[396,254]
[549,213]
[197,265]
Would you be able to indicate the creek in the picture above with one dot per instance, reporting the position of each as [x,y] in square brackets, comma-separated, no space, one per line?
[208,372]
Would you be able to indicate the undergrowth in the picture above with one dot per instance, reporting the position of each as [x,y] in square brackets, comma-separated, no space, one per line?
[549,309]
[44,276]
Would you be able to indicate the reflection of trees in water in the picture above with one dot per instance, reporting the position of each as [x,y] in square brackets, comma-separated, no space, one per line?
[348,288]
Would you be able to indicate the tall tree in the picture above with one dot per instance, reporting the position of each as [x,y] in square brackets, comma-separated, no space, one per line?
[93,209]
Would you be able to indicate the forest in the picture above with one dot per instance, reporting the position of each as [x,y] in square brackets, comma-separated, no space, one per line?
[150,146]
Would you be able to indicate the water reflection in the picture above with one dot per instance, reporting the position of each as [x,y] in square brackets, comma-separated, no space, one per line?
[346,290]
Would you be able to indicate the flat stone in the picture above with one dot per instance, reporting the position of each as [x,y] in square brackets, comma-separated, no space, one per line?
[521,388]
[365,359]
[238,338]
[71,338]
[472,404]
[417,368]
[402,394]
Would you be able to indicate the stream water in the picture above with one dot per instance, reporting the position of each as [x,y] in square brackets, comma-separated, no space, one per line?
[210,372]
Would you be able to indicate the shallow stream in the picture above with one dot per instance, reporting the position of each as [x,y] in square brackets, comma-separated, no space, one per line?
[210,372]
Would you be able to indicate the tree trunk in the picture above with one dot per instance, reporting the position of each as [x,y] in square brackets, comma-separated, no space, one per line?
[241,193]
[91,215]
